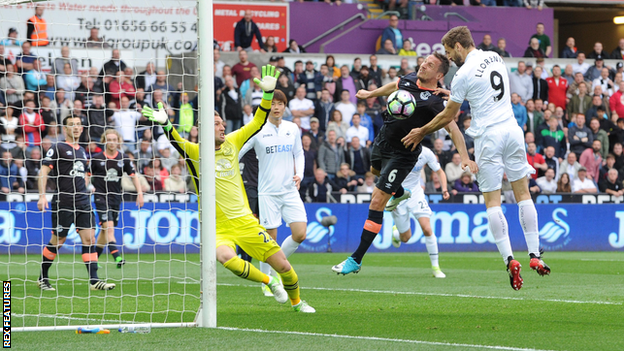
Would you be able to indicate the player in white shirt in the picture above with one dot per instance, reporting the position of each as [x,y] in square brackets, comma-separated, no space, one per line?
[280,171]
[418,207]
[499,142]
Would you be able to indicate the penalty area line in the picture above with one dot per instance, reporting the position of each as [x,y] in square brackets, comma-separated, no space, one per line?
[443,295]
[374,338]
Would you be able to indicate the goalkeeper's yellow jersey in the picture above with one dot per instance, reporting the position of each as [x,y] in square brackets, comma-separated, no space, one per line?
[231,197]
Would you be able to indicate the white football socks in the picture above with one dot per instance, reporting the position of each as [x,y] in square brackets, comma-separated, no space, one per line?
[289,246]
[432,248]
[500,230]
[528,220]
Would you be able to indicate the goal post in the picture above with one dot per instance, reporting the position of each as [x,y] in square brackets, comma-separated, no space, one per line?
[205,62]
[169,278]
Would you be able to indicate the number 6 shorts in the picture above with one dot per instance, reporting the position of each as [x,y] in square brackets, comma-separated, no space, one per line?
[247,233]
[394,166]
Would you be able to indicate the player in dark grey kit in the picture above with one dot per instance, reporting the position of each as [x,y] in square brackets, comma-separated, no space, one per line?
[66,163]
[107,168]
[390,160]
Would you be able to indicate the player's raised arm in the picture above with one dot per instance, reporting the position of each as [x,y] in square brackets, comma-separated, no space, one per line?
[382,91]
[460,144]
[267,84]
[440,121]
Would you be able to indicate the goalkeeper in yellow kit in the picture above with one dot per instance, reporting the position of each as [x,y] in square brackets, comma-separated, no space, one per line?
[235,223]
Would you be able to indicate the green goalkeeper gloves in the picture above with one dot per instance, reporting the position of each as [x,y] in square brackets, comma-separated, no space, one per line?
[159,116]
[268,82]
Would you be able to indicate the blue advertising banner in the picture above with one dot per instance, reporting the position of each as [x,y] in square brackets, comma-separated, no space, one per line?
[173,227]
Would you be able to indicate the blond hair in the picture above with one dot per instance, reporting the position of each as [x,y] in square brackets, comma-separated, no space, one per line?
[111,131]
[459,35]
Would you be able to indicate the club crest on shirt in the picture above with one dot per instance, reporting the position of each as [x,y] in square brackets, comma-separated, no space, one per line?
[223,165]
[227,151]
[50,153]
[68,152]
[425,95]
[120,164]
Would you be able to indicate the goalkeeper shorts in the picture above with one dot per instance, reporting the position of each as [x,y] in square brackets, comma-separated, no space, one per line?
[247,233]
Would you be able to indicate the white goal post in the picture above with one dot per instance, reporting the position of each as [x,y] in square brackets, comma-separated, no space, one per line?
[170,277]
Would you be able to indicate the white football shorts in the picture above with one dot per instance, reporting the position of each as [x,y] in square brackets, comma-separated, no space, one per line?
[501,149]
[288,206]
[416,205]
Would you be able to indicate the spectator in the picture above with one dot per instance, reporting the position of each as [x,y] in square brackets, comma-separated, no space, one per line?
[330,155]
[231,105]
[338,125]
[604,170]
[554,137]
[570,50]
[125,121]
[600,135]
[563,184]
[502,45]
[612,185]
[604,82]
[68,81]
[534,49]
[365,79]
[9,125]
[12,86]
[269,45]
[521,83]
[4,62]
[592,161]
[465,184]
[552,161]
[10,177]
[186,116]
[444,157]
[391,76]
[568,74]
[309,154]
[453,169]
[316,135]
[535,160]
[579,136]
[114,64]
[484,3]
[535,119]
[358,157]
[176,182]
[152,178]
[59,63]
[543,39]
[374,70]
[32,124]
[95,41]
[34,78]
[144,154]
[540,86]
[160,84]
[557,88]
[346,179]
[598,52]
[286,87]
[393,33]
[407,49]
[334,70]
[594,72]
[33,165]
[486,44]
[294,48]
[11,39]
[144,80]
[321,189]
[36,28]
[547,183]
[582,184]
[346,82]
[247,114]
[573,89]
[519,111]
[50,88]
[47,114]
[356,130]
[619,155]
[160,172]
[242,70]
[25,59]
[312,80]
[328,80]
[366,121]
[97,117]
[579,103]
[387,49]
[244,31]
[369,184]
[253,96]
[324,109]
[580,65]
[346,107]
[618,52]
[61,106]
[571,166]
[615,102]
[404,68]
[302,107]
[121,87]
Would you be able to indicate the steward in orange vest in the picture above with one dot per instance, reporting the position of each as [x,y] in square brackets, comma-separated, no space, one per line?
[37,32]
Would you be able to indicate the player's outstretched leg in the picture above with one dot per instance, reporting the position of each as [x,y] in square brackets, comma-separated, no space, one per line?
[399,196]
[372,226]
[291,282]
[431,242]
[48,256]
[528,220]
[500,231]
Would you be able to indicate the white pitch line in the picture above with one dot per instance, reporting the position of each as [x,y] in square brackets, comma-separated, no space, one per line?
[444,295]
[373,338]
[601,259]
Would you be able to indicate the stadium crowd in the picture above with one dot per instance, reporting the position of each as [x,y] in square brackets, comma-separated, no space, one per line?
[571,115]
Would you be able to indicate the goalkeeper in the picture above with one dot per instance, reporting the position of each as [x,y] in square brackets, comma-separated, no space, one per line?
[235,223]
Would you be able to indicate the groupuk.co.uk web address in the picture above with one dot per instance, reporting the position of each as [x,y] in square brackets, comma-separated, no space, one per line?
[131,44]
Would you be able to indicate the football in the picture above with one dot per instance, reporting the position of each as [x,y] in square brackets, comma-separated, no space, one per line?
[401,104]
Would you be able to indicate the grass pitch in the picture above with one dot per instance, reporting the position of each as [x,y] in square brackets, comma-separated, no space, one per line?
[393,303]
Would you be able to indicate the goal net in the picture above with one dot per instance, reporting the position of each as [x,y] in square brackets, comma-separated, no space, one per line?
[103,62]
